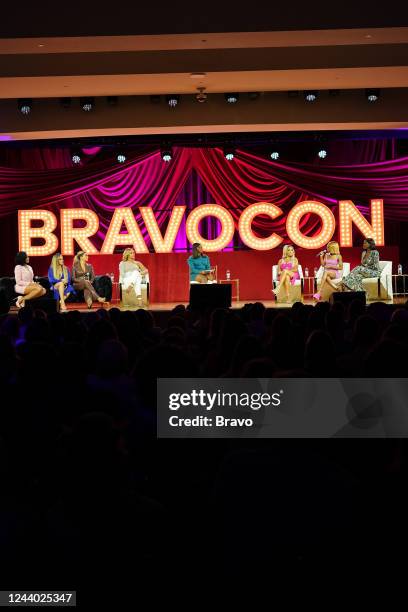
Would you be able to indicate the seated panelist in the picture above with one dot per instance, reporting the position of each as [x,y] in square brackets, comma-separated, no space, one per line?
[200,267]
[82,276]
[60,280]
[287,270]
[24,277]
[131,274]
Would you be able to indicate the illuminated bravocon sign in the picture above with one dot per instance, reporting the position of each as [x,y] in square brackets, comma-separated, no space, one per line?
[46,224]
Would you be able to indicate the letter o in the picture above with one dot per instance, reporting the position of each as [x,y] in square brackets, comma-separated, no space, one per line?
[325,234]
[210,210]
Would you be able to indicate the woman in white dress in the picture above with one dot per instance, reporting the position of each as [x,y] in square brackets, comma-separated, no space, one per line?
[131,273]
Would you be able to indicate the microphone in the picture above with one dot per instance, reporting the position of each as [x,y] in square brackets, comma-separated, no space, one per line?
[321,253]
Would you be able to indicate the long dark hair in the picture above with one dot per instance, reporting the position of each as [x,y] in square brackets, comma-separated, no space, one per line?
[196,253]
[21,258]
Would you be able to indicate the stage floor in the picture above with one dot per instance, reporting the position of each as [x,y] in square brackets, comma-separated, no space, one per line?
[168,306]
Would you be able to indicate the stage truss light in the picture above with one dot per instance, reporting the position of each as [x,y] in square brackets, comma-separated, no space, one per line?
[229,152]
[372,95]
[173,100]
[322,153]
[87,104]
[275,155]
[166,154]
[231,98]
[121,158]
[76,158]
[25,106]
[310,96]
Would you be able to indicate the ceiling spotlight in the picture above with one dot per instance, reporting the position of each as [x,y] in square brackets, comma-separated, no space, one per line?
[121,158]
[229,153]
[65,102]
[173,100]
[25,105]
[112,100]
[231,98]
[322,153]
[166,154]
[76,158]
[372,95]
[310,96]
[87,104]
[275,155]
[201,96]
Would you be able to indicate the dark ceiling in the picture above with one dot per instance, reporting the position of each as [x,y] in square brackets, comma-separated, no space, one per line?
[25,18]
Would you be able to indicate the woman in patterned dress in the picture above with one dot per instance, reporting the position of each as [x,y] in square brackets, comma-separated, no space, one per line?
[369,268]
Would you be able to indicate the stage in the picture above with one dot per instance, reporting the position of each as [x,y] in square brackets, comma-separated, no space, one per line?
[235,305]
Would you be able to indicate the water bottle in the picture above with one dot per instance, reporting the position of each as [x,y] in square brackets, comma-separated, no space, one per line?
[399,269]
[228,275]
[306,272]
[315,272]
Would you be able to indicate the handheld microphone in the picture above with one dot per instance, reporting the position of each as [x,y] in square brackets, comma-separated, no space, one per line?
[321,253]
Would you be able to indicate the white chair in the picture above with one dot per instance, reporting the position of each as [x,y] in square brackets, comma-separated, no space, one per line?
[380,288]
[295,290]
[145,290]
[335,281]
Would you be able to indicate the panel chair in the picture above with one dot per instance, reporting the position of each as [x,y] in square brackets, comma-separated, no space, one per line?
[327,292]
[130,300]
[380,288]
[295,291]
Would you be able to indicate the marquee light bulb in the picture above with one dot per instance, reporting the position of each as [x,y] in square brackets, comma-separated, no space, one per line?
[349,214]
[160,244]
[26,233]
[245,226]
[80,235]
[133,237]
[210,210]
[296,215]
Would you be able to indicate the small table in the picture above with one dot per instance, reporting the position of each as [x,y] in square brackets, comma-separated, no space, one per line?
[225,281]
[115,292]
[399,285]
[309,285]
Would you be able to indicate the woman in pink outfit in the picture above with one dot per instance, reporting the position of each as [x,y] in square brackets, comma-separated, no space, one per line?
[25,285]
[332,263]
[287,270]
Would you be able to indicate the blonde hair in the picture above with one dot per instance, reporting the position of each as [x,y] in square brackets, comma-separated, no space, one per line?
[78,256]
[285,250]
[337,249]
[57,269]
[126,254]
